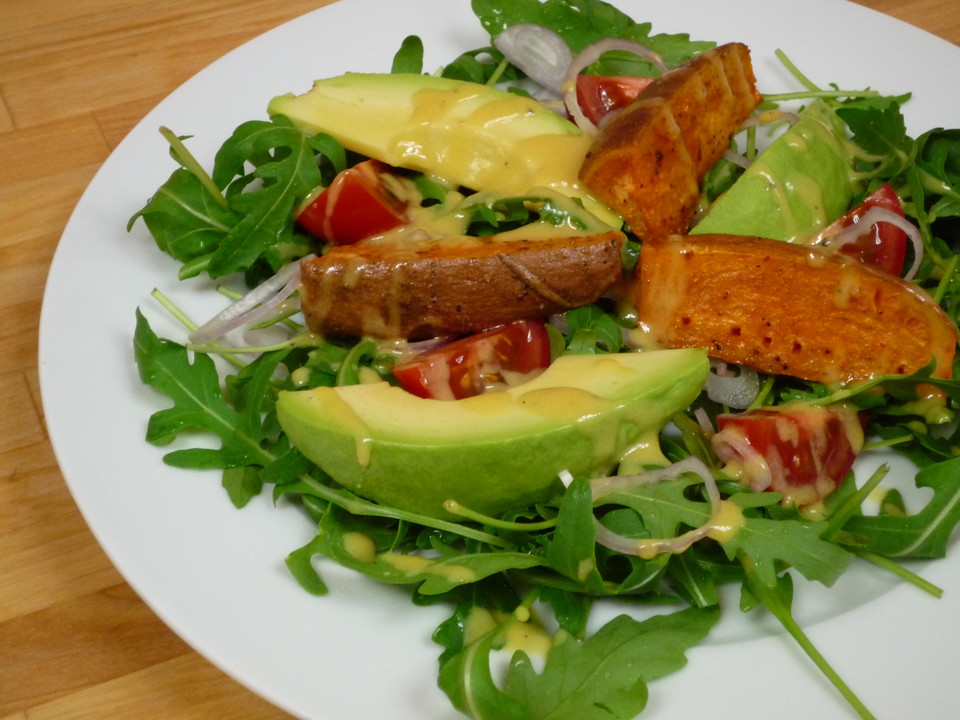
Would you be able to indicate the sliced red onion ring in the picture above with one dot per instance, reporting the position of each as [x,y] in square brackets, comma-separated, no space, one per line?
[737,159]
[255,304]
[590,55]
[877,215]
[539,52]
[703,420]
[735,390]
[871,217]
[604,486]
[559,321]
[649,547]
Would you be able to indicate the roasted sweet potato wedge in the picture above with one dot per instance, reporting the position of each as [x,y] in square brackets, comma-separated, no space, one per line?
[452,286]
[787,309]
[648,161]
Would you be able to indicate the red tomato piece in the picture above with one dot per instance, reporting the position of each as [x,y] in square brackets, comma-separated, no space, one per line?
[472,365]
[882,244]
[804,453]
[599,94]
[356,205]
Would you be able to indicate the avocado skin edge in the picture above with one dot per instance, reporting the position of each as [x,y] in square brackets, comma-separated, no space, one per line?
[502,468]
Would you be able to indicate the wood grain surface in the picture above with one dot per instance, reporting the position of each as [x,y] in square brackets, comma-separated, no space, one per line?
[75,640]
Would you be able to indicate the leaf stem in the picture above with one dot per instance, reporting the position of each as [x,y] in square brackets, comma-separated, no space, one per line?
[773,602]
[356,506]
[187,159]
[302,340]
[889,442]
[190,325]
[177,313]
[900,571]
[501,66]
[455,508]
[948,275]
[853,503]
[824,94]
[795,71]
[812,90]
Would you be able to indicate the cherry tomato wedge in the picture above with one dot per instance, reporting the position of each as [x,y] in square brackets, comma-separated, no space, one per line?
[883,245]
[599,94]
[472,365]
[356,205]
[802,453]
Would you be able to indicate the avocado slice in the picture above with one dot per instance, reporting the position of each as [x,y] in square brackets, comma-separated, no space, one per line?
[499,451]
[798,185]
[472,135]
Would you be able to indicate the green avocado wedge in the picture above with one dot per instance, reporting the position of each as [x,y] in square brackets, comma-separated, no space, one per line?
[798,185]
[499,451]
[472,135]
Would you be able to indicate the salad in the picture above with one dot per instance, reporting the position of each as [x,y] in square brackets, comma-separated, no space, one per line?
[542,564]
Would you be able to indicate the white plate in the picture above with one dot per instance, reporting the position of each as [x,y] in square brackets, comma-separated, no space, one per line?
[216,575]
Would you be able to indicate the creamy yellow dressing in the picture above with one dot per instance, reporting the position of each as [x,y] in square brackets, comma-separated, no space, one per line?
[726,522]
[793,188]
[409,564]
[522,634]
[415,565]
[847,288]
[479,622]
[646,452]
[496,160]
[346,417]
[532,639]
[798,190]
[569,404]
[360,547]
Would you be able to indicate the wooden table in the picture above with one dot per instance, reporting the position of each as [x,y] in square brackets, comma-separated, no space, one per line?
[75,641]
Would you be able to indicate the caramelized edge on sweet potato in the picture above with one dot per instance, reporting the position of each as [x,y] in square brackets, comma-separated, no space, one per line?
[647,162]
[787,309]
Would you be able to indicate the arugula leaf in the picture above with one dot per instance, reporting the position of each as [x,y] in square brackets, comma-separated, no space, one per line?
[198,405]
[571,610]
[482,66]
[772,543]
[242,484]
[601,678]
[286,169]
[693,579]
[592,331]
[881,131]
[571,551]
[433,576]
[409,58]
[924,534]
[605,676]
[582,22]
[578,22]
[630,574]
[183,218]
[466,678]
[255,222]
[768,543]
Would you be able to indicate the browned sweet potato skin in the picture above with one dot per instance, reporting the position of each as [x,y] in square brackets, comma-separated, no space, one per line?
[648,161]
[422,289]
[789,310]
